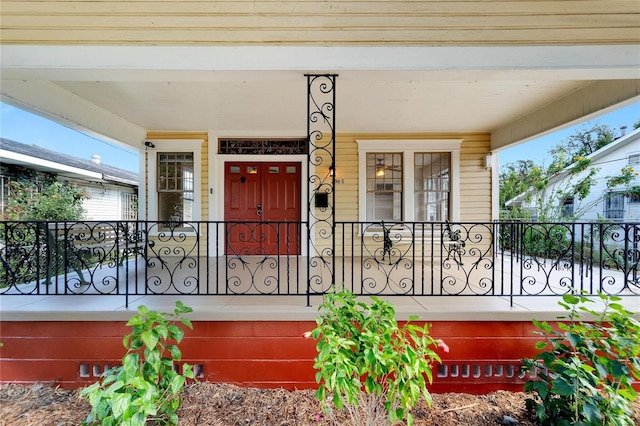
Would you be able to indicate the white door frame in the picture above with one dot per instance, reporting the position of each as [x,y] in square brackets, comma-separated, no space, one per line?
[216,187]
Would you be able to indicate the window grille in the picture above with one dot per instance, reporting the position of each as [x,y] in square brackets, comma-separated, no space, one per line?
[175,186]
[129,202]
[614,206]
[263,146]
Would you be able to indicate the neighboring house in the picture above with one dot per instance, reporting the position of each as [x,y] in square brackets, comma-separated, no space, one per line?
[616,203]
[112,191]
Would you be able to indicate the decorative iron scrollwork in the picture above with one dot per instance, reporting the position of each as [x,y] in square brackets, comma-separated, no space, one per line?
[297,146]
[321,98]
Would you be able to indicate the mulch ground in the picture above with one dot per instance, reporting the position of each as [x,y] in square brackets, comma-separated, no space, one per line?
[227,405]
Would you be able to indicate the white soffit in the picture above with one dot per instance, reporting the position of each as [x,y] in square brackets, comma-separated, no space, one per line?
[319,59]
[123,91]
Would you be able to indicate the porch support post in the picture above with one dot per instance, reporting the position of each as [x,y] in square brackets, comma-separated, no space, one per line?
[321,133]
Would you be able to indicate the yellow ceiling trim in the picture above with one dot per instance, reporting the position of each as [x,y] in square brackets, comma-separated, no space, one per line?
[178,135]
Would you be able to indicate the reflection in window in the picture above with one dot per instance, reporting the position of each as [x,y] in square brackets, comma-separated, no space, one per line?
[175,186]
[384,186]
[417,182]
[432,186]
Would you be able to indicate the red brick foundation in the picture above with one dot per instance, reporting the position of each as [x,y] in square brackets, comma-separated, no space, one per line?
[484,356]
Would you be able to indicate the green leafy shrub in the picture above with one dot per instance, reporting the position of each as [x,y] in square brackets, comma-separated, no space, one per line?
[53,201]
[50,201]
[146,387]
[585,374]
[373,368]
[547,241]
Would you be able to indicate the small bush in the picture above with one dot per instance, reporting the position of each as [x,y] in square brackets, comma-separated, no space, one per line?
[546,241]
[54,201]
[146,387]
[586,372]
[374,369]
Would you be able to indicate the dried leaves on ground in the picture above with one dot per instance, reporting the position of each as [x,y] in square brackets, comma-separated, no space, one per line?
[228,405]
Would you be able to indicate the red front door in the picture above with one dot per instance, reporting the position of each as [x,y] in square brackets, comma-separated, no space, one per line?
[257,196]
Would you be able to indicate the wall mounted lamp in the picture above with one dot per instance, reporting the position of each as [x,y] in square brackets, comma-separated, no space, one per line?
[488,161]
[149,144]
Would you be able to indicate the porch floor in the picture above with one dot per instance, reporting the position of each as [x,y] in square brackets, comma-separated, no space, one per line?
[282,308]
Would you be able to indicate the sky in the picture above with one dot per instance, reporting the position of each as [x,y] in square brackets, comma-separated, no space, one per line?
[24,127]
[538,149]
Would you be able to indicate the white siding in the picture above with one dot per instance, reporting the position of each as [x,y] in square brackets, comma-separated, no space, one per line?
[103,204]
[104,201]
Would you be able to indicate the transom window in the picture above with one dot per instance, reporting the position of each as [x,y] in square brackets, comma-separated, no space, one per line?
[417,182]
[263,146]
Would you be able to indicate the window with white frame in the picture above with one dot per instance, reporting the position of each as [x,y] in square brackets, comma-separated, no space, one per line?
[129,205]
[384,186]
[173,192]
[4,191]
[408,180]
[432,189]
[175,186]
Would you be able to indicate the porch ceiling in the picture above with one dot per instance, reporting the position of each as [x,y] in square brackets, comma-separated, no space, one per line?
[513,92]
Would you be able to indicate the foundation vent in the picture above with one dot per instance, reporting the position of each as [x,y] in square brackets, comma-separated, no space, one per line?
[482,371]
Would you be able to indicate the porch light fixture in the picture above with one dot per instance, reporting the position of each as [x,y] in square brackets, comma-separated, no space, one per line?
[488,161]
[332,170]
[149,144]
[380,168]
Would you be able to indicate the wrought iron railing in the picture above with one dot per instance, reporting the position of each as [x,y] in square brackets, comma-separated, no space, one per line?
[491,259]
[132,258]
